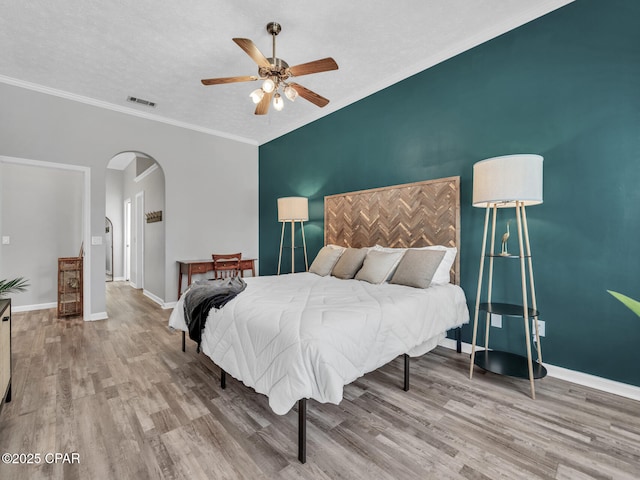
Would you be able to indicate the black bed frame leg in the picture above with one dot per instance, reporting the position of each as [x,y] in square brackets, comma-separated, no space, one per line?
[302,430]
[406,373]
[183,341]
[223,379]
[459,340]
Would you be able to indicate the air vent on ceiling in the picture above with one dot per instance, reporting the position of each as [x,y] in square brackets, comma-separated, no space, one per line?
[141,101]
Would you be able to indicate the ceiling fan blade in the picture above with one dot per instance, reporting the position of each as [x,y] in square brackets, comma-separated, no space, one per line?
[250,48]
[307,94]
[221,81]
[263,107]
[317,66]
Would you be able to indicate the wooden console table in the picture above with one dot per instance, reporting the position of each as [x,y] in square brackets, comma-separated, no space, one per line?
[203,266]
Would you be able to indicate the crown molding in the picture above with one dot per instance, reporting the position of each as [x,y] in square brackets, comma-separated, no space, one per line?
[121,109]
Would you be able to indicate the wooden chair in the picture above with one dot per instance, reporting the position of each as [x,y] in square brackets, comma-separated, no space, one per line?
[226,265]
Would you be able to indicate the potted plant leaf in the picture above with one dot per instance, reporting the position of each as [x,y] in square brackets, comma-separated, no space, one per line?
[19,284]
[630,303]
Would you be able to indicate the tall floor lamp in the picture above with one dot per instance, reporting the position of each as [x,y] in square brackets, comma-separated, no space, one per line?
[292,210]
[506,182]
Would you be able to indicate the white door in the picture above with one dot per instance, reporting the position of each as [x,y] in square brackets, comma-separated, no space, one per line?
[127,239]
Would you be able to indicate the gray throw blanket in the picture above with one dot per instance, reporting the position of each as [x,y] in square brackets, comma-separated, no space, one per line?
[204,295]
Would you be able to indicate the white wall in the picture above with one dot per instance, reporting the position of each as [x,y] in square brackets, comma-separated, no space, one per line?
[42,215]
[201,213]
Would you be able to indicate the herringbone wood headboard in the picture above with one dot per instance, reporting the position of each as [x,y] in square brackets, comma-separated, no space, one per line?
[410,215]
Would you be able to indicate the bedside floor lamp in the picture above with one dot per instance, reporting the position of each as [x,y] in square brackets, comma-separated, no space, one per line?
[506,182]
[293,209]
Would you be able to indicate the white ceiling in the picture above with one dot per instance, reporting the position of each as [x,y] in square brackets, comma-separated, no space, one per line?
[100,52]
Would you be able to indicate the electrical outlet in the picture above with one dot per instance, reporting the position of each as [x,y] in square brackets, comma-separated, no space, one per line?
[541,328]
[496,320]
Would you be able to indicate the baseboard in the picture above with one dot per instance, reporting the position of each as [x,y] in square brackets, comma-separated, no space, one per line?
[119,279]
[46,306]
[153,297]
[30,308]
[451,344]
[599,383]
[169,305]
[573,376]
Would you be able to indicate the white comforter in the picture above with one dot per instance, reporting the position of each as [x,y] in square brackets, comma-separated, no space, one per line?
[305,336]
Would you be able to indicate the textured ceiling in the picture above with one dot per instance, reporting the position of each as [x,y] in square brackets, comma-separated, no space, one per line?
[101,52]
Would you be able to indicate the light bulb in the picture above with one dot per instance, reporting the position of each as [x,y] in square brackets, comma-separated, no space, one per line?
[278,103]
[290,93]
[268,85]
[257,95]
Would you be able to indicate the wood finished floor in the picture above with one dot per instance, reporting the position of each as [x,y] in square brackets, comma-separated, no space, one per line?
[123,396]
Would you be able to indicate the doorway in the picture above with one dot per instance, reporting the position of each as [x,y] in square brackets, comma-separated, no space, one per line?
[135,187]
[108,247]
[127,240]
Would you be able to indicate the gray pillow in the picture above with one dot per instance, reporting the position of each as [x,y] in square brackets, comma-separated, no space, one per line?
[378,266]
[325,260]
[349,263]
[417,267]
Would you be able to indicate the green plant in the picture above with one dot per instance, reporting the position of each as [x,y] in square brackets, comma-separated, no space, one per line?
[19,284]
[632,304]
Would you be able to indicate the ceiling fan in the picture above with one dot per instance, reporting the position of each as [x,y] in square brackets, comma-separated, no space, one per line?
[276,74]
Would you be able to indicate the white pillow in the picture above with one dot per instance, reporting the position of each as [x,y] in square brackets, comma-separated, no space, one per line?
[378,266]
[325,260]
[442,275]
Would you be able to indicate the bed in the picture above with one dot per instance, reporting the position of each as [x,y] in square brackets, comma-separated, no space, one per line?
[304,336]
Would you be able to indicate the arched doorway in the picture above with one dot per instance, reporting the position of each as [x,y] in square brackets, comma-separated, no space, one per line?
[135,188]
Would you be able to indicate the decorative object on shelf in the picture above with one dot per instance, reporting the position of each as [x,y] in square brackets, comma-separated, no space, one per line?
[629,302]
[154,216]
[504,251]
[275,73]
[16,285]
[292,210]
[506,182]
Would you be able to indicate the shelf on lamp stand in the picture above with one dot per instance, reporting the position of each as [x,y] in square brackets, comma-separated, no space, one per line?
[506,363]
[293,246]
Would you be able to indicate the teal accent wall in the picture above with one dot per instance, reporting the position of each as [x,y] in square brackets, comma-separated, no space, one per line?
[566,86]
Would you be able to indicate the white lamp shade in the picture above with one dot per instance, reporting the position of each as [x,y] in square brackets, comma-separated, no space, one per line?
[505,180]
[293,208]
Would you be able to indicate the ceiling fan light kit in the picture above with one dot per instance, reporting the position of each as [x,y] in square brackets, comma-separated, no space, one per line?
[278,103]
[275,74]
[257,95]
[268,85]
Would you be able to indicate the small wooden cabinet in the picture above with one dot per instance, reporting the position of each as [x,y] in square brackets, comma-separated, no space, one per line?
[70,286]
[5,351]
